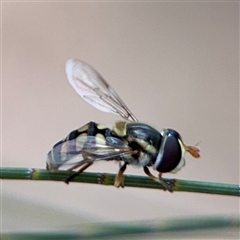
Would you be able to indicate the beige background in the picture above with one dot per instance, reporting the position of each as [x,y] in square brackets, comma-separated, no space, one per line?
[174,64]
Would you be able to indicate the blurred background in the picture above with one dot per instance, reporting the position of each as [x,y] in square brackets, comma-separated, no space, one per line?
[175,64]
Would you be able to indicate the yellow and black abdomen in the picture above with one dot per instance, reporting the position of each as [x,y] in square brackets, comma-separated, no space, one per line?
[70,147]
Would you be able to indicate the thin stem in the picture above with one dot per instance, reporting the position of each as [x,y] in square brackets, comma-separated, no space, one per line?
[129,180]
[162,229]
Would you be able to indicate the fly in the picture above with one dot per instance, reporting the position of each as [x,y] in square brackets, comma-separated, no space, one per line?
[129,142]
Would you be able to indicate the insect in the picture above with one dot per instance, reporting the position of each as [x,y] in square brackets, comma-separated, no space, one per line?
[129,142]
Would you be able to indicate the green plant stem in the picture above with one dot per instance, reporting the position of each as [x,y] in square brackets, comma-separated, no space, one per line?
[129,180]
[130,229]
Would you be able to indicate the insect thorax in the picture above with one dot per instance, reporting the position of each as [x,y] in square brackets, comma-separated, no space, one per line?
[142,138]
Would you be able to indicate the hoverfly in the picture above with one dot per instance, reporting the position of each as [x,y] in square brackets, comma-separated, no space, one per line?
[128,142]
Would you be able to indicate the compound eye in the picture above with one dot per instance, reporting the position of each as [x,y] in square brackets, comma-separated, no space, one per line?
[170,153]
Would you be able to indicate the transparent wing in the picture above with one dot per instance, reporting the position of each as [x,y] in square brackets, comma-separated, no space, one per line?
[90,85]
[88,149]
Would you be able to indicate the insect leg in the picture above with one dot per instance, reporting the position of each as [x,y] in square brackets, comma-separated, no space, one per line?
[73,175]
[158,179]
[119,180]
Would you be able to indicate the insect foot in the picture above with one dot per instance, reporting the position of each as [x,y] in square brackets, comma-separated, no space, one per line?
[119,181]
[167,184]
